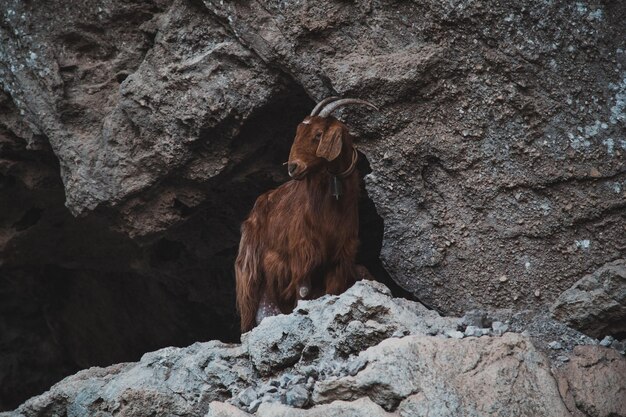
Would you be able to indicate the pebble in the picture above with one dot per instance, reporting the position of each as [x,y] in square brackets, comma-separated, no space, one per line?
[401,333]
[555,345]
[254,405]
[485,331]
[455,334]
[606,342]
[476,318]
[271,389]
[296,380]
[275,383]
[499,328]
[297,396]
[311,371]
[247,396]
[473,331]
[563,358]
[268,398]
[284,380]
[619,346]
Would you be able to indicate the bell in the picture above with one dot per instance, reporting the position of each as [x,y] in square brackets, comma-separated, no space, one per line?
[335,187]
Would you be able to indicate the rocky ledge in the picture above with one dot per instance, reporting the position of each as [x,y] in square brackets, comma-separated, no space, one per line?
[363,353]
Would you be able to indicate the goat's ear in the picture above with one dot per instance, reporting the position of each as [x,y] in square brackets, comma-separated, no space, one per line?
[331,143]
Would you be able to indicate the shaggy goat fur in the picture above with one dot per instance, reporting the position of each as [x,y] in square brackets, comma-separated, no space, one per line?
[299,240]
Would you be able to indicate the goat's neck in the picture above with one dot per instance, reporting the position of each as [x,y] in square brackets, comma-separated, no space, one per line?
[318,185]
[343,161]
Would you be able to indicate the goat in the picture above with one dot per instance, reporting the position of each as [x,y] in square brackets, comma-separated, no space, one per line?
[300,240]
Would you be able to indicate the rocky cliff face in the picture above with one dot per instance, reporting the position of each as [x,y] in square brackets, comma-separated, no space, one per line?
[360,354]
[497,162]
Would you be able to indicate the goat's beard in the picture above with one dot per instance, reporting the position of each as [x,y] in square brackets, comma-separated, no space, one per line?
[300,176]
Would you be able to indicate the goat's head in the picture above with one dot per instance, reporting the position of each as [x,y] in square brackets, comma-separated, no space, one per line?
[320,138]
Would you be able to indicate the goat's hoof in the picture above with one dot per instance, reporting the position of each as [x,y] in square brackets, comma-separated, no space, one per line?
[303,291]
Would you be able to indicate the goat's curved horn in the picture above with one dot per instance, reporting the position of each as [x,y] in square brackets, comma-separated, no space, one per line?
[322,103]
[326,111]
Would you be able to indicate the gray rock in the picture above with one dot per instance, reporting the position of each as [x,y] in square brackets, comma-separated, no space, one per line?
[455,334]
[247,396]
[355,366]
[254,406]
[499,328]
[358,408]
[473,331]
[332,327]
[170,381]
[297,396]
[309,383]
[619,346]
[606,342]
[477,318]
[269,389]
[485,154]
[596,304]
[555,345]
[414,375]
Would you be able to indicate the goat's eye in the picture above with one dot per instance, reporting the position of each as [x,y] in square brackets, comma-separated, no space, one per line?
[318,136]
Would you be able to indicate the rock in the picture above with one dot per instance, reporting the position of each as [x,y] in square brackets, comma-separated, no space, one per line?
[417,374]
[596,304]
[219,409]
[455,334]
[170,381]
[359,408]
[555,345]
[473,331]
[247,396]
[606,342]
[499,328]
[459,375]
[362,317]
[355,366]
[254,405]
[160,122]
[592,383]
[477,318]
[297,396]
[485,332]
[619,346]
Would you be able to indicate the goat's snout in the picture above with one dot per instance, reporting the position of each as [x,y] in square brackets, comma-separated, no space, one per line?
[291,168]
[295,169]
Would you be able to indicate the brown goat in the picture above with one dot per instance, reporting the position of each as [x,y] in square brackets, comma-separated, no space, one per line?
[300,240]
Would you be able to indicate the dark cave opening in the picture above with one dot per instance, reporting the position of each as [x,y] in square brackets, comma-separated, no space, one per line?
[74,293]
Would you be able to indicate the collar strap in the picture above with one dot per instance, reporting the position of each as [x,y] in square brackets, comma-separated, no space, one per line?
[350,170]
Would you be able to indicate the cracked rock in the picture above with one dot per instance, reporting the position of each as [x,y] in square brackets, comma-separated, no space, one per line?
[407,376]
[596,304]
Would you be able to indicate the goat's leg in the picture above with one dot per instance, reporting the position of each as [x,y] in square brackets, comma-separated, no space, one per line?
[340,277]
[266,308]
[304,289]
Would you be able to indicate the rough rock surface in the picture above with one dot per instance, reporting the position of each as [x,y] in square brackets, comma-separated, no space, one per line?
[594,372]
[497,160]
[396,362]
[596,304]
